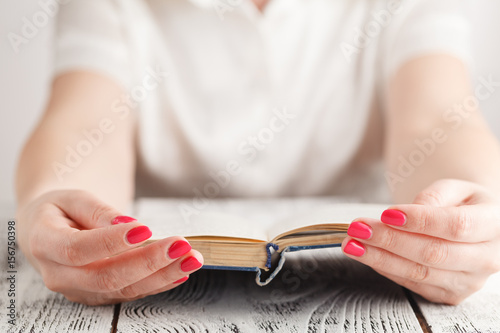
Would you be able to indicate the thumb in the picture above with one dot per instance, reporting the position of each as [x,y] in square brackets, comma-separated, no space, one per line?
[446,193]
[85,209]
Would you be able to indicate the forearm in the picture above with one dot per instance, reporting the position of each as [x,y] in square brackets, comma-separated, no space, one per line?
[470,153]
[61,154]
[434,130]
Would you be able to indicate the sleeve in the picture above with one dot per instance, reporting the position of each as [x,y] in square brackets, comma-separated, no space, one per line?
[422,27]
[90,35]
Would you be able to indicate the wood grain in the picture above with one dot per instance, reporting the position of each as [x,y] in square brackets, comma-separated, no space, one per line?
[478,313]
[39,309]
[324,292]
[327,293]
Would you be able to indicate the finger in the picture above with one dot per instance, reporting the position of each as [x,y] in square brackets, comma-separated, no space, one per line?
[73,247]
[118,272]
[437,294]
[143,278]
[167,287]
[93,298]
[117,296]
[385,261]
[165,279]
[406,272]
[425,250]
[447,193]
[170,274]
[470,224]
[85,209]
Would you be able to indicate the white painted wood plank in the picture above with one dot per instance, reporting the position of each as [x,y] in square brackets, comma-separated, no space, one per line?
[39,309]
[333,294]
[478,313]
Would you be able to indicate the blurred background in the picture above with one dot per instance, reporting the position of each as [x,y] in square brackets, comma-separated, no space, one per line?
[24,76]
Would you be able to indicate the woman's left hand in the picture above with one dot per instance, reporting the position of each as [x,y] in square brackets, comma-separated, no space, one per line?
[444,246]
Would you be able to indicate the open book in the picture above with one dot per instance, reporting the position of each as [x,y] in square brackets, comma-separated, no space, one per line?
[252,234]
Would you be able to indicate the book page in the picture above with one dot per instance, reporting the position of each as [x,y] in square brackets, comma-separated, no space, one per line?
[259,219]
[221,218]
[325,213]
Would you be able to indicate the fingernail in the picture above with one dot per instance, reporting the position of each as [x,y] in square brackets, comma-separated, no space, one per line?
[393,217]
[183,279]
[359,230]
[139,234]
[178,249]
[123,219]
[190,264]
[354,248]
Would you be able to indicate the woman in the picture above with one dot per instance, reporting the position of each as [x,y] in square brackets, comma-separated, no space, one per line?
[357,98]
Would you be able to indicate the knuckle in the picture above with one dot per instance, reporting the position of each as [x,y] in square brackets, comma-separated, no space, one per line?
[390,239]
[493,266]
[418,273]
[462,226]
[451,298]
[435,253]
[431,197]
[51,283]
[106,281]
[475,286]
[70,252]
[128,292]
[460,287]
[150,263]
[100,211]
[166,276]
[459,283]
[423,220]
[443,296]
[380,260]
[108,243]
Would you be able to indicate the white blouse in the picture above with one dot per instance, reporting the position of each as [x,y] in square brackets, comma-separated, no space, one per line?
[235,102]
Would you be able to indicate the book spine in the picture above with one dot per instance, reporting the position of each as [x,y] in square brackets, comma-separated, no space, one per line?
[268,250]
[274,272]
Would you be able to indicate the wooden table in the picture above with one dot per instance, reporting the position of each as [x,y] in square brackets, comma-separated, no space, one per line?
[333,294]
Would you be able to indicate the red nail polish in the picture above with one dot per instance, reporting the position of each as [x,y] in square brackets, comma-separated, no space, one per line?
[359,230]
[190,264]
[138,234]
[354,248]
[178,249]
[123,219]
[393,217]
[183,279]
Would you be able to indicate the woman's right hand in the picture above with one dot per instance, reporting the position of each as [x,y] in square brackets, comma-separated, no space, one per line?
[88,252]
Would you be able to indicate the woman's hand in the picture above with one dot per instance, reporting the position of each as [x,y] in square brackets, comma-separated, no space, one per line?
[91,254]
[444,246]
